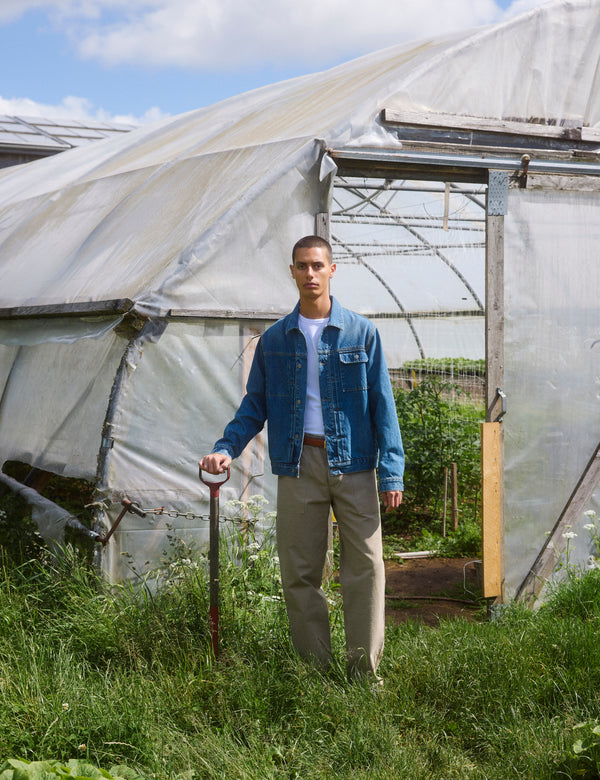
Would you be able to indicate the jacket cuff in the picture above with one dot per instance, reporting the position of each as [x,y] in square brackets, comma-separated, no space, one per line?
[390,483]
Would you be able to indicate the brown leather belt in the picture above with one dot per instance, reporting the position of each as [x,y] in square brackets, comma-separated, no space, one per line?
[314,441]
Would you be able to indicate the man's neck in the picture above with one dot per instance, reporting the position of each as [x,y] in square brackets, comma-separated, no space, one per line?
[318,309]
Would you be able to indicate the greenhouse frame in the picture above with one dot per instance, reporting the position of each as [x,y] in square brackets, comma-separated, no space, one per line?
[458,179]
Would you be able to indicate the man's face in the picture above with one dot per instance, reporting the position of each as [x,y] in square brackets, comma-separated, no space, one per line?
[312,271]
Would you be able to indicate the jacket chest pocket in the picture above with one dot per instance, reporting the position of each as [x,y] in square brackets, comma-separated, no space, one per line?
[353,370]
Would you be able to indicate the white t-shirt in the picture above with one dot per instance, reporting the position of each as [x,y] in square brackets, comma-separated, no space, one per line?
[313,416]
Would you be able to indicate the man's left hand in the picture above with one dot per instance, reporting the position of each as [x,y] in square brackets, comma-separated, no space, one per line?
[391,499]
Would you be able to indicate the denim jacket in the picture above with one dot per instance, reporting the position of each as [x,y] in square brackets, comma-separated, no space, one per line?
[359,413]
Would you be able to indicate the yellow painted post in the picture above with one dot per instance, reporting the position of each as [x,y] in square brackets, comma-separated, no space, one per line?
[491,510]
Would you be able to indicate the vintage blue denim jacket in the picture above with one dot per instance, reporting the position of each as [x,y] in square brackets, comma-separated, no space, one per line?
[359,413]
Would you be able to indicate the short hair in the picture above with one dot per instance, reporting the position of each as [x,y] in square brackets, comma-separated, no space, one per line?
[310,242]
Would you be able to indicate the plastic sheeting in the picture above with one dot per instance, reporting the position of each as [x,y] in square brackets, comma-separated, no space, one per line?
[542,65]
[158,214]
[552,366]
[198,214]
[176,396]
[54,401]
[50,518]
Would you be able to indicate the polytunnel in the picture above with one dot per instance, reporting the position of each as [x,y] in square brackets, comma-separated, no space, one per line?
[458,180]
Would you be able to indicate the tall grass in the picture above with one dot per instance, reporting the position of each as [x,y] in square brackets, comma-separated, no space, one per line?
[125,675]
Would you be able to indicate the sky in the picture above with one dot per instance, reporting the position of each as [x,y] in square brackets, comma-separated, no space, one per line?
[138,61]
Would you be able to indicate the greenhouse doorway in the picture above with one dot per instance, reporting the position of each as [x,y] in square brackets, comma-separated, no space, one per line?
[411,256]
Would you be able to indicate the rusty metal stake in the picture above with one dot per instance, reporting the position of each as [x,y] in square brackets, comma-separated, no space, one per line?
[128,506]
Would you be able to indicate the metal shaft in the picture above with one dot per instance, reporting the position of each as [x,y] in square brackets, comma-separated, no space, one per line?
[213,561]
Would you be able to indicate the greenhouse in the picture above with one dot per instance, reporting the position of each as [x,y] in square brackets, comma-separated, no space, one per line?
[459,182]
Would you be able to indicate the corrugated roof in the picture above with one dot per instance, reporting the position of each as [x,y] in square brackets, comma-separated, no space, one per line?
[27,132]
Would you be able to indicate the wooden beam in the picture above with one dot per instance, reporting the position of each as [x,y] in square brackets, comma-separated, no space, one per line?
[555,544]
[491,530]
[84,308]
[482,124]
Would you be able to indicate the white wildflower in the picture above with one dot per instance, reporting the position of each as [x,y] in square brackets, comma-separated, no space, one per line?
[590,513]
[569,535]
[589,527]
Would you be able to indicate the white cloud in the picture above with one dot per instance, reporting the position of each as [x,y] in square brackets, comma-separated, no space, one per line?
[217,35]
[72,107]
[226,34]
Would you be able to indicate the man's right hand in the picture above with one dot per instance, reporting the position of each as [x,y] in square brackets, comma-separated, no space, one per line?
[215,463]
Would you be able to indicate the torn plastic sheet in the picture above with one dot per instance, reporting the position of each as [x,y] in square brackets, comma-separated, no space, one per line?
[50,518]
[65,330]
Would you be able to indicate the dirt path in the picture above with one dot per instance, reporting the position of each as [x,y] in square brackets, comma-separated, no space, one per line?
[427,589]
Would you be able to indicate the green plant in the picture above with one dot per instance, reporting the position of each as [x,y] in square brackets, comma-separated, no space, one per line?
[438,431]
[144,691]
[15,769]
[586,749]
[447,366]
[20,540]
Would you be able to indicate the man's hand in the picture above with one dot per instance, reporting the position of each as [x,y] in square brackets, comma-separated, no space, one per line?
[215,463]
[391,499]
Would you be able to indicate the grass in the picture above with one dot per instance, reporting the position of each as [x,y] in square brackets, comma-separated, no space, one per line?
[125,675]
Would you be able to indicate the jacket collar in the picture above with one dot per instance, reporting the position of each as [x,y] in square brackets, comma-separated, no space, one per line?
[336,316]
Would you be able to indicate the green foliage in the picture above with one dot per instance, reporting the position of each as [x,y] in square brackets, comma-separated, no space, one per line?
[438,430]
[96,676]
[465,542]
[15,769]
[586,749]
[447,366]
[20,540]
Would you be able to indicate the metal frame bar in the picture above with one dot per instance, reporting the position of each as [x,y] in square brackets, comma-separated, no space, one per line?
[398,157]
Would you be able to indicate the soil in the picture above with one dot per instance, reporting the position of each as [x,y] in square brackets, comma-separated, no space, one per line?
[427,590]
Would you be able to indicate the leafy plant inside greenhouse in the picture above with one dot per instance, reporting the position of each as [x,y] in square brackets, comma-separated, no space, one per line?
[440,426]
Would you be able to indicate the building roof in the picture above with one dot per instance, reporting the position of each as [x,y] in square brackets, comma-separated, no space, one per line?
[23,138]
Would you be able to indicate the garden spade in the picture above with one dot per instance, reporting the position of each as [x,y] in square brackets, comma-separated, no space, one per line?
[213,555]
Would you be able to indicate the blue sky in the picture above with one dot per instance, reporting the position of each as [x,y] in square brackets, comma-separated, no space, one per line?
[140,60]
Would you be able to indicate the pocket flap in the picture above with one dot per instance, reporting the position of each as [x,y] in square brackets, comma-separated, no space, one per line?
[356,356]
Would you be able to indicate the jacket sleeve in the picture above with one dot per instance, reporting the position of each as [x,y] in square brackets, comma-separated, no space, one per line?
[384,416]
[251,414]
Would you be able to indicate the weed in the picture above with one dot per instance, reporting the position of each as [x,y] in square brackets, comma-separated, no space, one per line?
[117,676]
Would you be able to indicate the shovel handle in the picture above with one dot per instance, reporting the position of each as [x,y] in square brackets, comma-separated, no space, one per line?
[214,485]
[213,556]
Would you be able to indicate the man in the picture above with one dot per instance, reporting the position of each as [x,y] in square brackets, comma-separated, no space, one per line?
[320,380]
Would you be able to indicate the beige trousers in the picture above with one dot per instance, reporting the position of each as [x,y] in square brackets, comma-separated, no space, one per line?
[302,523]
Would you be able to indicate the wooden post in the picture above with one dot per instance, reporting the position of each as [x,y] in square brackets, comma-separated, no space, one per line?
[454,495]
[494,353]
[322,225]
[491,504]
[445,501]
